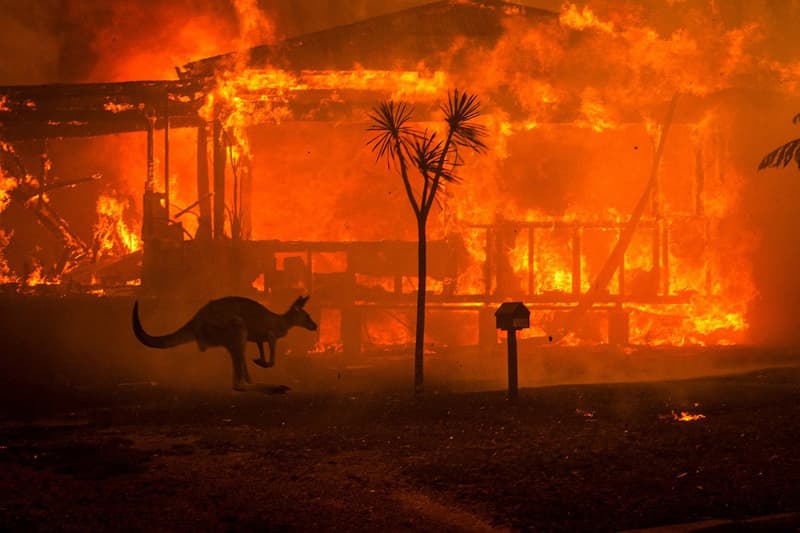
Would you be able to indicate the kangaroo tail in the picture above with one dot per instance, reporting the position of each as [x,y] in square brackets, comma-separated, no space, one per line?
[181,336]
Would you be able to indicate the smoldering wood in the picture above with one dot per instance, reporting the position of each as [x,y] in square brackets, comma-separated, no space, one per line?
[30,194]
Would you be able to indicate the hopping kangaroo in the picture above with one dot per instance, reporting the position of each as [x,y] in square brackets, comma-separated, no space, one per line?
[231,322]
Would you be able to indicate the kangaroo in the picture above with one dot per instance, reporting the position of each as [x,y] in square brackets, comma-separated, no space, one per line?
[230,322]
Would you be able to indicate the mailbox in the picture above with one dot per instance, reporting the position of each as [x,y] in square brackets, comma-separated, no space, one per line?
[512,316]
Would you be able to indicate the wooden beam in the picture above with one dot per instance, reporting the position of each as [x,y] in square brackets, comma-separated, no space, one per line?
[219,180]
[149,184]
[246,194]
[203,192]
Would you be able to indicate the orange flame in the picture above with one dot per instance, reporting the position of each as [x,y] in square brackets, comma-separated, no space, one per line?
[112,234]
[572,17]
[686,416]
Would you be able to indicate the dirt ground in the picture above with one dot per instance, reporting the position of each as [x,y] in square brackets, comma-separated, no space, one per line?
[592,457]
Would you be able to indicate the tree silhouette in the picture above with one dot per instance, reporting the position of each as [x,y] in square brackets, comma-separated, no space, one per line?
[435,160]
[783,155]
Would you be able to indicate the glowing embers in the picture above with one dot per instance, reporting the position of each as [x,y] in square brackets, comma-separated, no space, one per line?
[6,275]
[684,416]
[114,107]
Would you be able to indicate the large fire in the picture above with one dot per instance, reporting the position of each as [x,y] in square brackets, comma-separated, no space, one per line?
[575,110]
[113,234]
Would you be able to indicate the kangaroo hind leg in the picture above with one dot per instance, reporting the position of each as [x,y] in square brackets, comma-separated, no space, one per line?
[236,346]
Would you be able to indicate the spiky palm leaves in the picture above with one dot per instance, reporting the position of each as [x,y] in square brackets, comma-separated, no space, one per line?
[460,112]
[389,120]
[783,155]
[434,158]
[392,138]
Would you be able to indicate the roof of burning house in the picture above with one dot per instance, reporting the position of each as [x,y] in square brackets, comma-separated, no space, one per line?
[86,109]
[399,40]
[402,39]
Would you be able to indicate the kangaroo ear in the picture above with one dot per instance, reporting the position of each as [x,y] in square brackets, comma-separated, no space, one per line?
[301,301]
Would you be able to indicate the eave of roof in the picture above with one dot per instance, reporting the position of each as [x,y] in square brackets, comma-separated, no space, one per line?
[400,40]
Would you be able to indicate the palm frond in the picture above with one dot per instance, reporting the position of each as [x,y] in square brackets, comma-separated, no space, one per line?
[427,153]
[389,121]
[461,109]
[782,156]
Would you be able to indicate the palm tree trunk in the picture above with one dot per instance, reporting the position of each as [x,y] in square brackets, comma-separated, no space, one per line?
[422,276]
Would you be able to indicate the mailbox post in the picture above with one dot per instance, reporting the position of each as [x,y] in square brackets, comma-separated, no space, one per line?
[511,316]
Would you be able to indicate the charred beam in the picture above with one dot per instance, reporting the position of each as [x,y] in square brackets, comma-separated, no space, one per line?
[218,143]
[203,192]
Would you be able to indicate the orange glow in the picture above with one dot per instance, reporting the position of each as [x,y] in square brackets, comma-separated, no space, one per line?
[117,108]
[383,329]
[248,96]
[7,184]
[572,17]
[38,277]
[574,109]
[330,338]
[6,275]
[112,234]
[686,416]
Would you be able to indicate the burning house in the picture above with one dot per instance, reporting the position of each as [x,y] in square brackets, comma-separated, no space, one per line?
[608,201]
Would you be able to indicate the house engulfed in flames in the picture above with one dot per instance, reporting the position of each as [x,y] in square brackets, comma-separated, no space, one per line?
[254,177]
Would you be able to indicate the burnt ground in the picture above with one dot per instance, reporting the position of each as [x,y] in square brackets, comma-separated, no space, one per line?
[592,457]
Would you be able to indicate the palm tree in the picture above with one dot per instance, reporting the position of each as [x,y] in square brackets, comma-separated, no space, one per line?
[435,160]
[783,155]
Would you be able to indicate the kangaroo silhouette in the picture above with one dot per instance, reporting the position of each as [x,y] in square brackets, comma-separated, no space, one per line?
[231,322]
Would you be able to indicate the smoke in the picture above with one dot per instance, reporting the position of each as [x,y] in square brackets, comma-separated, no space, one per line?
[28,37]
[56,41]
[255,27]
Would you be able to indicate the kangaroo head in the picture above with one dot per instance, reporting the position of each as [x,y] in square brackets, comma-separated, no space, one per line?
[298,316]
